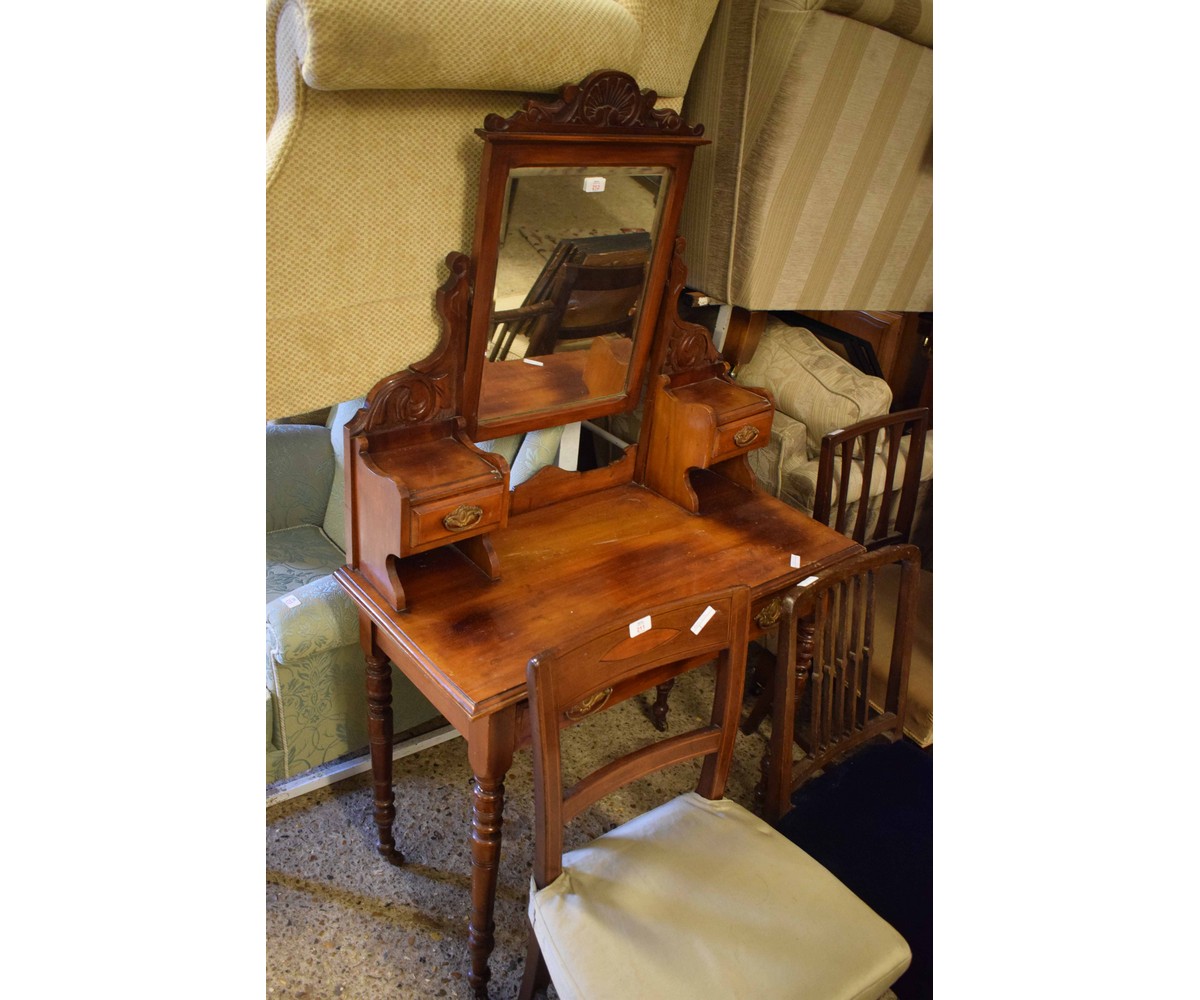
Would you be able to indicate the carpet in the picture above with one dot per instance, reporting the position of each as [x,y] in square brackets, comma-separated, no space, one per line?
[869,820]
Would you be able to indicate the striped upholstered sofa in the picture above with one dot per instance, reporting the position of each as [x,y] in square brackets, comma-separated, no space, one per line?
[816,193]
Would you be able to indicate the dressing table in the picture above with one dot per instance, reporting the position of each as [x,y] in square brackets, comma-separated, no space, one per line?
[459,580]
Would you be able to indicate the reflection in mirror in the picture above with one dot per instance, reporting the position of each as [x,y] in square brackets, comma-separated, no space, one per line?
[575,248]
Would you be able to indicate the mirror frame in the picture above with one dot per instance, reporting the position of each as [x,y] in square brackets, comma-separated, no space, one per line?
[605,121]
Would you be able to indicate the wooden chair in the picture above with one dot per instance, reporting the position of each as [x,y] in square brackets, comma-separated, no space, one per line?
[844,477]
[822,697]
[697,897]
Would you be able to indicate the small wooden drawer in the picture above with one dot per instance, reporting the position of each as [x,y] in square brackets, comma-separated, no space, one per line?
[458,516]
[742,435]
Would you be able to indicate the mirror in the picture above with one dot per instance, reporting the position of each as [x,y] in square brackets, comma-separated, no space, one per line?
[574,231]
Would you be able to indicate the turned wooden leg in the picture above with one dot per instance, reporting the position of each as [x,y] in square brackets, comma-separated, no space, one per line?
[490,748]
[379,727]
[660,709]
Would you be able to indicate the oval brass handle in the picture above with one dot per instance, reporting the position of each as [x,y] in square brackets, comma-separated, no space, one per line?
[744,436]
[770,614]
[464,516]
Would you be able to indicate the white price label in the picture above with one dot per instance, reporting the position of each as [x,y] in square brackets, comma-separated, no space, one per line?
[705,617]
[639,626]
[808,581]
[593,185]
[795,561]
[533,361]
[291,601]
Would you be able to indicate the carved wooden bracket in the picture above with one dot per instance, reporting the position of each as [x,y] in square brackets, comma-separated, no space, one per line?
[429,390]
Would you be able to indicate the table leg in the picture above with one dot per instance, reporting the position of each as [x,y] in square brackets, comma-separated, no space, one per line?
[379,728]
[490,748]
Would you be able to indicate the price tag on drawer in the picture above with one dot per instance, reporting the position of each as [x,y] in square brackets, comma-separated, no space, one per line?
[705,617]
[795,561]
[639,626]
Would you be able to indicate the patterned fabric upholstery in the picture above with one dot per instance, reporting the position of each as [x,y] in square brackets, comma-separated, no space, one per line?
[315,671]
[817,190]
[811,383]
[369,189]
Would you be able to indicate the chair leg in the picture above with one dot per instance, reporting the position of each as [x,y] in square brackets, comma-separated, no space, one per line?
[660,709]
[536,976]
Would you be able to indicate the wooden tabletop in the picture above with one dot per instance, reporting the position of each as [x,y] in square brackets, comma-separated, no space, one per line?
[578,564]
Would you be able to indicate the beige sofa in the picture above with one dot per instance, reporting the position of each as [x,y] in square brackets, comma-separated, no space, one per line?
[817,190]
[373,162]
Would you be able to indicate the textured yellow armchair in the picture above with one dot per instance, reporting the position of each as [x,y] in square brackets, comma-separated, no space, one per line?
[373,164]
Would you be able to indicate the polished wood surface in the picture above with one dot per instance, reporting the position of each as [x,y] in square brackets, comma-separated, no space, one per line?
[566,568]
[571,566]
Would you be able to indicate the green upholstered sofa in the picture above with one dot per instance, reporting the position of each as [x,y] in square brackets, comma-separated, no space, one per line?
[316,673]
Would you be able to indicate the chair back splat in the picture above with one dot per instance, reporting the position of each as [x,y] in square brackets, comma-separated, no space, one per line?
[610,666]
[895,444]
[823,700]
[697,896]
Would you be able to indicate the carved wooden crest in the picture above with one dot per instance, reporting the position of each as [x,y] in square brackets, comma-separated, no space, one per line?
[607,101]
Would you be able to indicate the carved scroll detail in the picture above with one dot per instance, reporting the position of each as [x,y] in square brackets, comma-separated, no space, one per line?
[590,704]
[690,344]
[608,100]
[428,390]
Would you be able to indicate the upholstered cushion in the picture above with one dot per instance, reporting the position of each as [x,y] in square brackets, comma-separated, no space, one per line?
[297,556]
[918,715]
[798,478]
[465,45]
[505,446]
[704,899]
[538,450]
[335,512]
[812,383]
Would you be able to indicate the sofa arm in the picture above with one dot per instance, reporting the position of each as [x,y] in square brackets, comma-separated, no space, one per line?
[788,436]
[311,619]
[299,474]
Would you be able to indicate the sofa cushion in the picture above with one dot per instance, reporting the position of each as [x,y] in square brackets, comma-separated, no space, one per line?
[798,478]
[297,556]
[811,383]
[361,44]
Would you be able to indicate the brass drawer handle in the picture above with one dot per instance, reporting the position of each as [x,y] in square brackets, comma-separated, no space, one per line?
[590,704]
[744,436]
[464,516]
[770,613]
